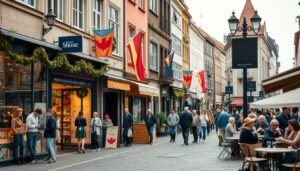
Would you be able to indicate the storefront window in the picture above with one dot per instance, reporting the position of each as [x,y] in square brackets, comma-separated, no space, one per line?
[137,108]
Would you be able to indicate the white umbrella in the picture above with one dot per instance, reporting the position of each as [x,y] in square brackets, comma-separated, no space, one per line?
[288,99]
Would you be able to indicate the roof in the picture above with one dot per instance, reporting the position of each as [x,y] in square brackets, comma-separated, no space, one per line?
[206,36]
[248,12]
[273,45]
[287,81]
[219,45]
[296,42]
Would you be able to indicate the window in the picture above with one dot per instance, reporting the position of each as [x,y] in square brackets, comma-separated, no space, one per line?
[78,14]
[113,17]
[30,3]
[96,14]
[153,56]
[153,5]
[137,106]
[176,44]
[131,33]
[141,4]
[176,18]
[57,6]
[208,49]
[177,71]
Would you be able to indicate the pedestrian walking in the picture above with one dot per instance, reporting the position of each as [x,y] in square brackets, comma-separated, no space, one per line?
[80,123]
[32,124]
[216,116]
[150,120]
[50,135]
[185,122]
[203,125]
[106,123]
[173,120]
[18,137]
[127,127]
[95,131]
[195,125]
[222,123]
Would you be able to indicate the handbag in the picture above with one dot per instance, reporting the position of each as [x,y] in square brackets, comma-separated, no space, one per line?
[129,132]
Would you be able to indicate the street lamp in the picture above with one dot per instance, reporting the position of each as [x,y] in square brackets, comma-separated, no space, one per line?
[233,26]
[50,17]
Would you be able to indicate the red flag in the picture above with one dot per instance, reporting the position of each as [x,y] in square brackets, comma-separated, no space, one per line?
[135,50]
[103,40]
[202,81]
[187,78]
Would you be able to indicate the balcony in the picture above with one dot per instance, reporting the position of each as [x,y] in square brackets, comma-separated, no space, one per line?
[165,79]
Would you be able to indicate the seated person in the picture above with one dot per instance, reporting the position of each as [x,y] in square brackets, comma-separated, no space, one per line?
[261,125]
[248,135]
[273,132]
[293,140]
[229,132]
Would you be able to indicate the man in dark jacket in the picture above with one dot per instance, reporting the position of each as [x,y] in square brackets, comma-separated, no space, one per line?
[49,135]
[185,122]
[150,121]
[127,124]
[272,132]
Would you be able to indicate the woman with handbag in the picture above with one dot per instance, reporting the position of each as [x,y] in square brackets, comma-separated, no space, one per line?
[17,127]
[80,123]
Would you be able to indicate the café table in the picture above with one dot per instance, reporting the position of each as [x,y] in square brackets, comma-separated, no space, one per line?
[234,138]
[272,153]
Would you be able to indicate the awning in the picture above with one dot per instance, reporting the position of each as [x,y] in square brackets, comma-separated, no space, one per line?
[237,102]
[118,83]
[147,90]
[288,99]
[288,80]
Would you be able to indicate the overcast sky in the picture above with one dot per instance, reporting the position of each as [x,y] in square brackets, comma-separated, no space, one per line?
[279,15]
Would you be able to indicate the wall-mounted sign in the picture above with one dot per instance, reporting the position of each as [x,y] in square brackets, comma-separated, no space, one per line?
[70,43]
[251,86]
[244,53]
[250,99]
[229,90]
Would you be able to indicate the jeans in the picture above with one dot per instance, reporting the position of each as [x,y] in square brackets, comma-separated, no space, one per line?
[31,144]
[173,132]
[150,132]
[18,141]
[185,134]
[195,133]
[51,148]
[202,132]
[95,143]
[290,157]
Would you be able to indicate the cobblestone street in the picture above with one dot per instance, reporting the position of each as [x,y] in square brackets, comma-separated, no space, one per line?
[162,156]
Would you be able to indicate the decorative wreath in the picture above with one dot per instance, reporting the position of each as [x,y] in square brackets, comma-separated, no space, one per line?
[60,61]
[82,93]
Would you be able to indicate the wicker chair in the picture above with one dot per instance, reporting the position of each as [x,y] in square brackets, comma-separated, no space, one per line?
[296,165]
[251,161]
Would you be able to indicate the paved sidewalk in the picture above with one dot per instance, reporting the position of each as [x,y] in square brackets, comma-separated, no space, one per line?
[161,156]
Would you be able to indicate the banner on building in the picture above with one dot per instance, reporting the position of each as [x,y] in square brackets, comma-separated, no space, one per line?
[103,40]
[169,64]
[135,50]
[201,78]
[187,78]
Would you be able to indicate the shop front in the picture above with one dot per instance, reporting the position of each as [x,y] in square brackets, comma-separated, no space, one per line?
[177,100]
[138,100]
[26,83]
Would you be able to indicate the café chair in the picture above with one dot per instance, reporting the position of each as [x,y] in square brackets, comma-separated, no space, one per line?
[294,166]
[251,161]
[226,148]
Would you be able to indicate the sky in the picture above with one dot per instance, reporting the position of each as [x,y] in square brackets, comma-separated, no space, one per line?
[279,15]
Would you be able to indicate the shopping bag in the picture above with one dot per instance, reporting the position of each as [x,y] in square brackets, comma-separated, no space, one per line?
[129,132]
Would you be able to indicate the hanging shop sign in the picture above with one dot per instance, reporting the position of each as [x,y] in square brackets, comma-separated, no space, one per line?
[229,89]
[70,43]
[251,86]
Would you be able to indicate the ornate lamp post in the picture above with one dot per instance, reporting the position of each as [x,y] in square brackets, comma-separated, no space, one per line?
[233,26]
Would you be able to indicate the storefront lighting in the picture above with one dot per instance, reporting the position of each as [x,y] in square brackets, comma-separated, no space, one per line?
[50,17]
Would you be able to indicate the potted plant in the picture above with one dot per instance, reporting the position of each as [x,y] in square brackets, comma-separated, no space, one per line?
[162,122]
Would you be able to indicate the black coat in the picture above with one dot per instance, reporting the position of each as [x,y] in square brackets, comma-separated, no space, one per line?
[80,122]
[270,136]
[50,129]
[186,120]
[150,121]
[247,137]
[127,121]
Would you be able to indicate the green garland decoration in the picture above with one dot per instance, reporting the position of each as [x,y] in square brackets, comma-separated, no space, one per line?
[60,61]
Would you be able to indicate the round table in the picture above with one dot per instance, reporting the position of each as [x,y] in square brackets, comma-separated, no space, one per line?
[236,138]
[273,151]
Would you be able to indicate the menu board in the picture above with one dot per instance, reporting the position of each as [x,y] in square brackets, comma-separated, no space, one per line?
[111,137]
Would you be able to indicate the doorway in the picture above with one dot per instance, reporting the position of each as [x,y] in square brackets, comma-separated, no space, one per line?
[111,106]
[67,102]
